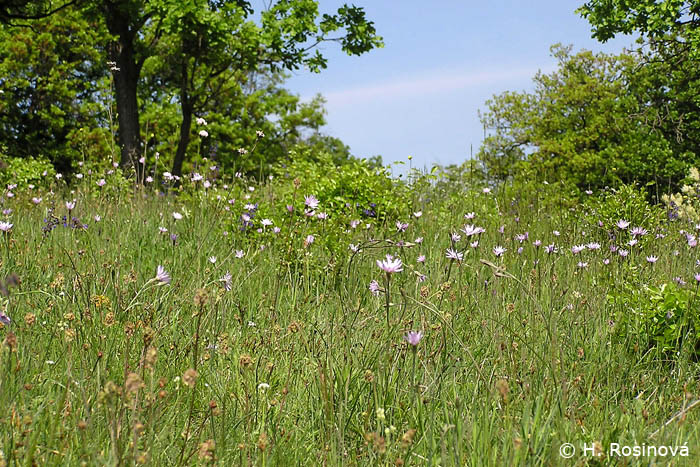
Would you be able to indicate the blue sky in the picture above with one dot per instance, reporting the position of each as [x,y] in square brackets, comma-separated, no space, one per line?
[441,61]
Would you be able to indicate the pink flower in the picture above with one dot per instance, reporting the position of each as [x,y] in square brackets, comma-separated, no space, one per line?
[390,265]
[413,337]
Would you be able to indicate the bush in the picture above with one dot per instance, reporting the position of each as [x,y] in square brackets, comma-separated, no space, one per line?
[663,315]
[25,171]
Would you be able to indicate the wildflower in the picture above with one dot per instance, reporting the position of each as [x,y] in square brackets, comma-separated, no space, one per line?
[162,230]
[70,205]
[173,238]
[474,244]
[421,259]
[354,224]
[550,249]
[101,182]
[203,133]
[266,222]
[401,227]
[226,279]
[679,280]
[310,201]
[162,275]
[201,121]
[97,218]
[149,179]
[588,192]
[413,337]
[259,134]
[263,387]
[633,242]
[537,243]
[177,216]
[417,214]
[59,176]
[4,319]
[390,265]
[239,254]
[212,259]
[623,253]
[309,240]
[520,250]
[197,177]
[321,216]
[418,240]
[354,248]
[469,215]
[593,246]
[606,261]
[622,224]
[652,259]
[521,237]
[576,249]
[556,233]
[276,230]
[168,176]
[697,277]
[499,250]
[454,255]
[374,288]
[470,230]
[79,176]
[36,200]
[5,226]
[455,237]
[638,231]
[242,151]
[486,191]
[582,264]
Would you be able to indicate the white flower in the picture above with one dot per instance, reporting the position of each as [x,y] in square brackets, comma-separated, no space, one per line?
[177,216]
[203,133]
[201,121]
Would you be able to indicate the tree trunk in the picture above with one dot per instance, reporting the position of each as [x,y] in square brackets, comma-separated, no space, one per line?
[184,141]
[126,78]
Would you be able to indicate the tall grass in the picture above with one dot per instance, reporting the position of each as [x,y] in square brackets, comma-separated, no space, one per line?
[300,364]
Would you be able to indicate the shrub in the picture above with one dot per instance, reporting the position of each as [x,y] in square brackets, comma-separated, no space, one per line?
[24,171]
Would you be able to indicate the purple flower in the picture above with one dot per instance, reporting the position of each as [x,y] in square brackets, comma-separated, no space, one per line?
[4,319]
[622,224]
[309,240]
[638,231]
[652,259]
[401,227]
[455,237]
[454,255]
[374,288]
[239,254]
[550,249]
[311,202]
[421,259]
[576,249]
[697,277]
[593,246]
[413,337]
[70,205]
[498,250]
[227,282]
[162,275]
[623,253]
[679,280]
[390,265]
[5,226]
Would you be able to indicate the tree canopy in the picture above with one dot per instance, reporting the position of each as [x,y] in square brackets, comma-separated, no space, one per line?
[170,64]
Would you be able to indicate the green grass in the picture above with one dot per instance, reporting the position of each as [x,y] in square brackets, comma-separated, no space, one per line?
[297,364]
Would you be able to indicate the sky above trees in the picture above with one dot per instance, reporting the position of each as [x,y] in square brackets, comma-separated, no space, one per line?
[420,95]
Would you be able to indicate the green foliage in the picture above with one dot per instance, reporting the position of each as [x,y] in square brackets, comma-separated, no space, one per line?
[582,125]
[25,171]
[51,86]
[353,187]
[627,202]
[664,316]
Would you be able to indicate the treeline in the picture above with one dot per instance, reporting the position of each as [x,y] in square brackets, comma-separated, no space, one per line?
[600,119]
[177,81]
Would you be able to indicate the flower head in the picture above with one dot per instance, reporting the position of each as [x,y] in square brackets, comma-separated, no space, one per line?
[227,282]
[622,224]
[5,226]
[390,265]
[162,275]
[413,337]
[498,250]
[310,201]
[454,255]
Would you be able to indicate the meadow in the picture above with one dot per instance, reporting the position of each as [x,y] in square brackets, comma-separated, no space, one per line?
[447,322]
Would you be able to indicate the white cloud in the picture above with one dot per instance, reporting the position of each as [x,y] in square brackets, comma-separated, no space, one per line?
[438,82]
